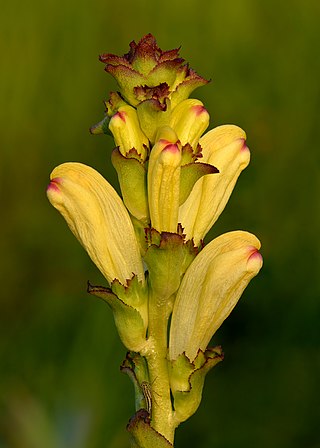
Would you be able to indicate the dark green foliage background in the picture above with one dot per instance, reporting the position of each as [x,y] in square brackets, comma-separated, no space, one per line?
[60,385]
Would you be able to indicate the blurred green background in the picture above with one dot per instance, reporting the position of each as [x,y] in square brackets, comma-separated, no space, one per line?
[60,384]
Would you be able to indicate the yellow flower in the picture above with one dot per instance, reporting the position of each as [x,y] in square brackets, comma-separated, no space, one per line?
[210,290]
[127,133]
[225,148]
[97,217]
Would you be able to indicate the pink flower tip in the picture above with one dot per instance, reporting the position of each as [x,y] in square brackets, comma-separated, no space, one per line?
[121,115]
[171,148]
[255,259]
[244,146]
[54,185]
[199,109]
[164,142]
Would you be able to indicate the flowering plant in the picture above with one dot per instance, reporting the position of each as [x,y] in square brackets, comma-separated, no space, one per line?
[169,292]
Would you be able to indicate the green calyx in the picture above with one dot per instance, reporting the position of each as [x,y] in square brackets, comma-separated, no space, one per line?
[143,435]
[130,310]
[112,105]
[187,380]
[167,258]
[132,175]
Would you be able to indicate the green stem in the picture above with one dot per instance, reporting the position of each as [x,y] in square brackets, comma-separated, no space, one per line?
[156,356]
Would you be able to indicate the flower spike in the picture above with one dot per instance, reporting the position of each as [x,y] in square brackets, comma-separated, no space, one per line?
[169,293]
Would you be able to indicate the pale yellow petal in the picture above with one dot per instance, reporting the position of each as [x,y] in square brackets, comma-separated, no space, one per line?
[97,217]
[225,148]
[210,290]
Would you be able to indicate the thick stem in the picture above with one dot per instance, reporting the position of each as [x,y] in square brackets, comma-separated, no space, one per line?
[156,356]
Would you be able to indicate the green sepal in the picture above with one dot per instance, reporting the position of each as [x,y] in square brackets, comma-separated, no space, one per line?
[135,366]
[114,102]
[180,372]
[188,155]
[187,380]
[165,72]
[152,116]
[132,177]
[102,127]
[191,82]
[133,294]
[167,259]
[143,435]
[127,80]
[129,322]
[189,175]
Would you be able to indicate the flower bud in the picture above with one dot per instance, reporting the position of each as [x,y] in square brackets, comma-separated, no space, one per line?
[153,116]
[189,119]
[127,133]
[147,72]
[164,182]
